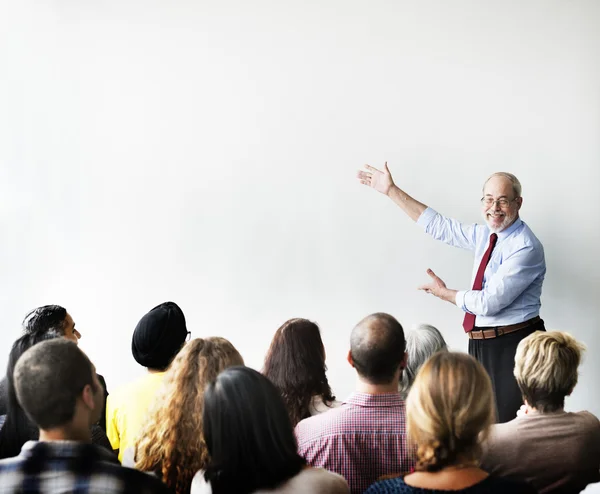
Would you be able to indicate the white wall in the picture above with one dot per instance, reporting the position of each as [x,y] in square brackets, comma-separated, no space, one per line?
[205,152]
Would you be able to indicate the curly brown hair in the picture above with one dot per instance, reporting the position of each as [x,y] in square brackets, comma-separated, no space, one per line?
[295,364]
[171,443]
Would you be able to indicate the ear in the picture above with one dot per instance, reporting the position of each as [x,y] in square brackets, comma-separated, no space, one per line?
[404,361]
[519,202]
[88,397]
[349,358]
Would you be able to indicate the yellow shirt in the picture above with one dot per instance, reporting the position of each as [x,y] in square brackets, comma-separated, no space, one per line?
[126,410]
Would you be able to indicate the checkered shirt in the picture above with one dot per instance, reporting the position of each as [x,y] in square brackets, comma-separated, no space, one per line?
[361,440]
[60,467]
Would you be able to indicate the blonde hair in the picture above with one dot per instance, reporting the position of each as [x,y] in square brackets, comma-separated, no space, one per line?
[516,185]
[171,443]
[450,408]
[546,368]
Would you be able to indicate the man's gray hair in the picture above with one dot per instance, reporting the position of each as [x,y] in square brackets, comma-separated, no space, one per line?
[516,185]
[422,341]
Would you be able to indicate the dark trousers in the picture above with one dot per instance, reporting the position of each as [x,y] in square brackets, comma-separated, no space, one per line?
[497,355]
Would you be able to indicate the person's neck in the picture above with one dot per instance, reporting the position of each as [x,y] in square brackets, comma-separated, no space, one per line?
[67,433]
[363,386]
[529,410]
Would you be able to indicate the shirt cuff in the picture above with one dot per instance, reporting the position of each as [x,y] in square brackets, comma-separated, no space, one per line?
[426,218]
[460,300]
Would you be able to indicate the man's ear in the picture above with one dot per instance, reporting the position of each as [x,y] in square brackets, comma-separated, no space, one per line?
[88,397]
[519,202]
[349,358]
[404,361]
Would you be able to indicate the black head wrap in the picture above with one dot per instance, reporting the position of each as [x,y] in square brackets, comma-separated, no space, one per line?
[159,336]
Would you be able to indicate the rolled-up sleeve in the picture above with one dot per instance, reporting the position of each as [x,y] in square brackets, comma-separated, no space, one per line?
[513,276]
[448,230]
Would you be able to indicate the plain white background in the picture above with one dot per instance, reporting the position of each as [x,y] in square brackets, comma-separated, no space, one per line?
[205,153]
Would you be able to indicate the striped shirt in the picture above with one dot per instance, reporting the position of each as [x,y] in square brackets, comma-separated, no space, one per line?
[69,466]
[361,440]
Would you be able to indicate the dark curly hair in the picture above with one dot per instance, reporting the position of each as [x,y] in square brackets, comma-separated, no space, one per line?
[295,363]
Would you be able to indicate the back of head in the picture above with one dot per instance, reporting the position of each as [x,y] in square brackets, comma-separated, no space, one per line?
[158,336]
[248,434]
[49,378]
[48,318]
[295,363]
[546,365]
[377,348]
[17,428]
[172,441]
[449,406]
[421,343]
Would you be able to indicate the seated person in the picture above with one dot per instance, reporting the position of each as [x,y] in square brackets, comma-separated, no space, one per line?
[50,319]
[295,363]
[554,450]
[171,443]
[449,408]
[421,343]
[251,443]
[16,428]
[157,338]
[365,437]
[57,386]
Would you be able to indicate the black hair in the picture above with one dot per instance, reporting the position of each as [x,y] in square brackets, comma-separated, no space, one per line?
[44,319]
[49,378]
[377,346]
[17,428]
[248,433]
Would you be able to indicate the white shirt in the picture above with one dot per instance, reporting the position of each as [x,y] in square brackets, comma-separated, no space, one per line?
[309,480]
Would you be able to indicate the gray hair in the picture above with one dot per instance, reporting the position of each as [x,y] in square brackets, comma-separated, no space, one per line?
[422,341]
[516,185]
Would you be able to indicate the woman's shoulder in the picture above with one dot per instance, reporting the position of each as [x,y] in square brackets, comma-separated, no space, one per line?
[490,485]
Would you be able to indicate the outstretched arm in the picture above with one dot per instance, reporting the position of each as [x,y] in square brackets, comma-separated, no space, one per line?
[381,181]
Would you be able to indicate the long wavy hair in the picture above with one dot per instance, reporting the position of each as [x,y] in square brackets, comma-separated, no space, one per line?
[171,443]
[295,364]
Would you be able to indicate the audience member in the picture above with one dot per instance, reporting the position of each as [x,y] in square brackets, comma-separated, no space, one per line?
[421,343]
[49,319]
[157,338]
[16,428]
[251,443]
[295,363]
[554,450]
[450,407]
[365,437]
[57,386]
[171,444]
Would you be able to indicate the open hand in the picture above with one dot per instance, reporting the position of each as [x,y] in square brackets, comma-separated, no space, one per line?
[379,180]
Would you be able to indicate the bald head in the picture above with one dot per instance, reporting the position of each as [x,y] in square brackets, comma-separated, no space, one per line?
[377,348]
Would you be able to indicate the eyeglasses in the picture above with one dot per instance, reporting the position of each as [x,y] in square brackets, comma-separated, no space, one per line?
[188,336]
[488,201]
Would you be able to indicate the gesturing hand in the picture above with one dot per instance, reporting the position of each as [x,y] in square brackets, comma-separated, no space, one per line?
[379,180]
[438,288]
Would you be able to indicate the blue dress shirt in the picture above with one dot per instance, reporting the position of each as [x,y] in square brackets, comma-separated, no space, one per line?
[512,282]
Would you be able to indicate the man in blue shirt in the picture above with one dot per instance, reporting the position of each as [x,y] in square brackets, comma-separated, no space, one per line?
[509,269]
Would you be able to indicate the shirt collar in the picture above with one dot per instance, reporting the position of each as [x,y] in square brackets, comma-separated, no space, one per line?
[507,231]
[379,400]
[66,449]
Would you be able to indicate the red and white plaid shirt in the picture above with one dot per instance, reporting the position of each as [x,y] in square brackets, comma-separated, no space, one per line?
[361,440]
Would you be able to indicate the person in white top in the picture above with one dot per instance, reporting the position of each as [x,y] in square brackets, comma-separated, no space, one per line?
[295,364]
[251,442]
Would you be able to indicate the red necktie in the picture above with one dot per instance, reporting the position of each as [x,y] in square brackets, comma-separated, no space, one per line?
[469,320]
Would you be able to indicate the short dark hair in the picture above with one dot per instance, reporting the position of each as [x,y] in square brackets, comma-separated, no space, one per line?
[377,347]
[248,434]
[49,378]
[17,428]
[295,363]
[44,319]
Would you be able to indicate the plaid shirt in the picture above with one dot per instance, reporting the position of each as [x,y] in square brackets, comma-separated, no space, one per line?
[362,440]
[60,467]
